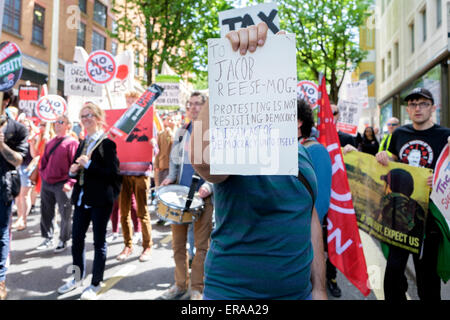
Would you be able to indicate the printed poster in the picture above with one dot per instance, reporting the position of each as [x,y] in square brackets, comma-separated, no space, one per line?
[391,203]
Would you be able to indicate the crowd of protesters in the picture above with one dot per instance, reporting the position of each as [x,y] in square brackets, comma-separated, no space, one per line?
[239,256]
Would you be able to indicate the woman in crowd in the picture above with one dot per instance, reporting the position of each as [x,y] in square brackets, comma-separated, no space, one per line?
[96,169]
[369,143]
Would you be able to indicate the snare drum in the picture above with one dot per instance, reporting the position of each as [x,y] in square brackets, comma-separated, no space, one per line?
[171,202]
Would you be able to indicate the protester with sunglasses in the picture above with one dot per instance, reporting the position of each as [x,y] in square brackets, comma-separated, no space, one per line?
[56,186]
[392,124]
[98,182]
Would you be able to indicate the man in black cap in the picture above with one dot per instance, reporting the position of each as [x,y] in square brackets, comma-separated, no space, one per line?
[427,139]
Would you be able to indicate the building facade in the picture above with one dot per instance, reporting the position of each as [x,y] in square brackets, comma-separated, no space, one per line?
[84,23]
[412,50]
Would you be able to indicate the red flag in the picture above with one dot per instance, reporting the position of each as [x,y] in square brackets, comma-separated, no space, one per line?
[344,244]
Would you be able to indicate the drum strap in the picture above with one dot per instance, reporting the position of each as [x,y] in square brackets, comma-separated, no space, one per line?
[305,182]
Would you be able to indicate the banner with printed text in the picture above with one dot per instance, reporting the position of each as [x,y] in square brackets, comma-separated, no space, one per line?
[391,203]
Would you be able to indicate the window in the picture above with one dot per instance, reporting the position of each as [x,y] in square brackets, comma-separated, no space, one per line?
[389,63]
[38,24]
[82,5]
[383,72]
[412,37]
[424,24]
[439,12]
[100,13]
[114,27]
[396,56]
[137,32]
[136,63]
[114,47]
[81,35]
[98,41]
[11,15]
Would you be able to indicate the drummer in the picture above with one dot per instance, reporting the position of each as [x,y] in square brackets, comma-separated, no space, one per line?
[181,172]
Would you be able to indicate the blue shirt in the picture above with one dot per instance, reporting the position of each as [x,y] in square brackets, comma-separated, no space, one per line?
[187,169]
[261,246]
[322,167]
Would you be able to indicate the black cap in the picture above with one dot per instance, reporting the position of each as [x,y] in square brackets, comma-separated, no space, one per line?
[419,93]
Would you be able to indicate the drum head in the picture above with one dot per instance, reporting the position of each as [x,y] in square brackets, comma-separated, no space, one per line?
[175,196]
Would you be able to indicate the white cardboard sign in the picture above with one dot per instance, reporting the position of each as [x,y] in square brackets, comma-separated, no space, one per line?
[357,91]
[77,83]
[235,19]
[253,108]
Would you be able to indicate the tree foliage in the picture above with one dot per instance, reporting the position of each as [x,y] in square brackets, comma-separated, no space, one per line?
[176,31]
[327,39]
[326,35]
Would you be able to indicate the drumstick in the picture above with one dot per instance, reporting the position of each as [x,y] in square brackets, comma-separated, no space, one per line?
[190,197]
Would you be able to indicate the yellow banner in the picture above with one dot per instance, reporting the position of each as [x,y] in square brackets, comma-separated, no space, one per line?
[391,203]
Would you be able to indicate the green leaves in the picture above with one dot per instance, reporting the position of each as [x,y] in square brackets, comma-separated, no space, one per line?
[181,28]
[327,36]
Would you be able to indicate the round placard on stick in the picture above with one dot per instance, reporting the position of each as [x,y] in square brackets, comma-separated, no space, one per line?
[10,65]
[308,91]
[50,107]
[101,67]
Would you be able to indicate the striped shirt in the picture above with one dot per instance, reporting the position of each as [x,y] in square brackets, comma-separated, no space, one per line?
[261,246]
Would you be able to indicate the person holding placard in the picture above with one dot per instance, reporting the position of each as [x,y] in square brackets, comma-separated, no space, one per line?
[263,243]
[96,170]
[418,144]
[13,148]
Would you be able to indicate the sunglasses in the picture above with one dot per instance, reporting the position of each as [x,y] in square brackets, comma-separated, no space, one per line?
[60,121]
[87,116]
[392,124]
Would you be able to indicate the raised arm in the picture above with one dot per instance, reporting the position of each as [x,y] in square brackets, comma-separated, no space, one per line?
[247,39]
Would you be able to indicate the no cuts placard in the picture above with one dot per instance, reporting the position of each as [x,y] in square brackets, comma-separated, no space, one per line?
[49,107]
[101,67]
[253,108]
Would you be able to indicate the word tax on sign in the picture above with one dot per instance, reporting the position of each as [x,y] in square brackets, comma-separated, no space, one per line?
[50,107]
[101,67]
[253,108]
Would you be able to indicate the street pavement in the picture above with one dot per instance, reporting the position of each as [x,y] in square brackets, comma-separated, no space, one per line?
[36,275]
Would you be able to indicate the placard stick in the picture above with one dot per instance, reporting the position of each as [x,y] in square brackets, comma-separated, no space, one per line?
[108,96]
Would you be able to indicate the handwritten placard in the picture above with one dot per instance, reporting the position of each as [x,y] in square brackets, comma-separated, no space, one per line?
[253,108]
[441,184]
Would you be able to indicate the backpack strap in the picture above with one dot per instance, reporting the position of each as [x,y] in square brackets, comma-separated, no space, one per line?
[305,182]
